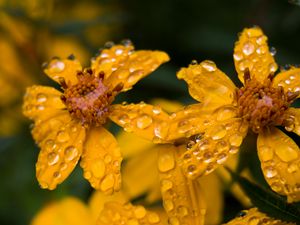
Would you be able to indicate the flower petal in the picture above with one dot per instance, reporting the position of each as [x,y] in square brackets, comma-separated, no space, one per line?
[289,80]
[63,68]
[182,197]
[213,147]
[144,180]
[145,120]
[253,216]
[115,213]
[134,67]
[101,160]
[68,211]
[41,102]
[60,152]
[293,115]
[152,123]
[251,51]
[208,84]
[280,159]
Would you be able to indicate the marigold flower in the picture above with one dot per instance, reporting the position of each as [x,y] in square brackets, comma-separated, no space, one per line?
[217,126]
[69,125]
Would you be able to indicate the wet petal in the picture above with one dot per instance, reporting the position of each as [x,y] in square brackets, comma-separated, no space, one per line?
[99,199]
[213,147]
[293,116]
[182,198]
[63,68]
[136,66]
[145,120]
[289,80]
[115,213]
[253,216]
[208,84]
[68,211]
[41,102]
[280,159]
[101,160]
[60,152]
[251,51]
[144,180]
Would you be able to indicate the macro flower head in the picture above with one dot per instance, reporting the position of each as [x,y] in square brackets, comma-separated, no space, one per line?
[215,128]
[69,124]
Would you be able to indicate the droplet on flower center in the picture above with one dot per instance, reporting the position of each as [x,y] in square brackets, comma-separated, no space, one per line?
[89,99]
[262,104]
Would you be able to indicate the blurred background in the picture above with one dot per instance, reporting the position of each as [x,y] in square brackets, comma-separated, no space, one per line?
[33,31]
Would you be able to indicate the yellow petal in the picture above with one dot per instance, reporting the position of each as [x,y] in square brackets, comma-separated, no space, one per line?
[63,68]
[132,144]
[253,216]
[213,194]
[251,51]
[208,84]
[140,175]
[115,213]
[68,211]
[218,142]
[294,118]
[134,67]
[60,152]
[145,120]
[289,80]
[41,102]
[182,198]
[99,199]
[101,160]
[280,159]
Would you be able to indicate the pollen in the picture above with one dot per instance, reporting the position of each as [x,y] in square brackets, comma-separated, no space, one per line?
[88,101]
[262,104]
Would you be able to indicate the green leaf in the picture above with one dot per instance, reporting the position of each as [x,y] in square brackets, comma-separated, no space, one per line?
[268,201]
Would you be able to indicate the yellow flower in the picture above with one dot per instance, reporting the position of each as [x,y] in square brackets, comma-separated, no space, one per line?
[217,126]
[69,125]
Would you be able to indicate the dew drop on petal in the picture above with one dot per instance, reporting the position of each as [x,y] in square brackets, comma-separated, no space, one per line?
[98,168]
[273,51]
[107,183]
[221,158]
[63,136]
[182,211]
[143,121]
[40,97]
[166,162]
[236,140]
[153,218]
[209,66]
[57,67]
[237,56]
[286,154]
[168,205]
[218,132]
[49,145]
[248,48]
[166,185]
[265,153]
[140,212]
[270,171]
[70,153]
[52,158]
[292,168]
[173,221]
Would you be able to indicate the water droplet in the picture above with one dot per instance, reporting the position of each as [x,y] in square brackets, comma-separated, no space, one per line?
[123,119]
[143,121]
[253,221]
[98,168]
[208,157]
[261,50]
[248,48]
[292,168]
[261,40]
[265,153]
[70,153]
[87,175]
[52,158]
[286,153]
[166,162]
[236,140]
[225,113]
[194,62]
[221,158]
[233,150]
[107,183]
[166,185]
[182,211]
[273,67]
[209,65]
[41,97]
[140,212]
[156,110]
[56,66]
[273,51]
[237,56]
[107,159]
[153,218]
[50,145]
[190,144]
[40,107]
[63,166]
[56,175]
[173,221]
[218,132]
[191,169]
[62,136]
[168,205]
[276,186]
[118,51]
[270,171]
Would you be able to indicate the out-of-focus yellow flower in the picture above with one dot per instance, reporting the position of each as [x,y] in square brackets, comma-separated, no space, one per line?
[217,126]
[69,125]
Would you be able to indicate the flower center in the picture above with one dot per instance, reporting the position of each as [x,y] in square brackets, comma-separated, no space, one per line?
[89,99]
[261,104]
